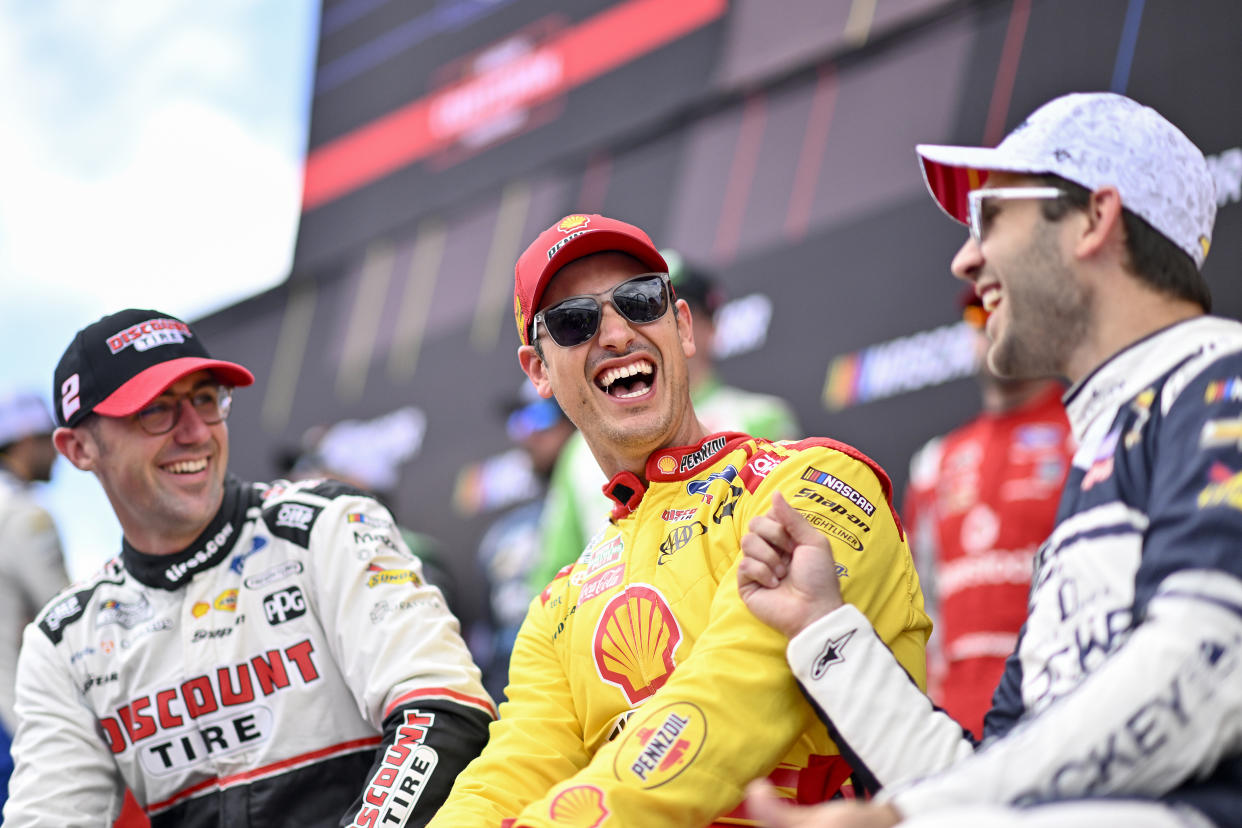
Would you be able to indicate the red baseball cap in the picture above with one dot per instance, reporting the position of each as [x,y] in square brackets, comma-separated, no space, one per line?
[571,238]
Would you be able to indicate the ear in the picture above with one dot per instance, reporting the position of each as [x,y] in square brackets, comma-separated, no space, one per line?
[1104,225]
[77,445]
[685,328]
[535,369]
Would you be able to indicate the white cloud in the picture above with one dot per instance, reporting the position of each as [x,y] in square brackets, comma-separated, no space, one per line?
[149,156]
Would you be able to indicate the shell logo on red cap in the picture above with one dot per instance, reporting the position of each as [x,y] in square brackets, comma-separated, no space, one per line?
[519,317]
[574,222]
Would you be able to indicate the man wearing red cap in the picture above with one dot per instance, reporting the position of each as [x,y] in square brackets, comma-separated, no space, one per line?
[642,692]
[1121,703]
[258,654]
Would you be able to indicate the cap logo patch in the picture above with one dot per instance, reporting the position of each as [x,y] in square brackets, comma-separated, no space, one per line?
[149,334]
[573,222]
[1205,243]
[554,248]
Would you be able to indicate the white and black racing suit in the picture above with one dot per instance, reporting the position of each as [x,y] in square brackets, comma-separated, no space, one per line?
[290,667]
[1127,677]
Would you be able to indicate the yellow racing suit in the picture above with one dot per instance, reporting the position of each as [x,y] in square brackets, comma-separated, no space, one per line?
[642,690]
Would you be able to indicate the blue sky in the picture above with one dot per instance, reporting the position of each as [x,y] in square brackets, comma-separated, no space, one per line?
[150,156]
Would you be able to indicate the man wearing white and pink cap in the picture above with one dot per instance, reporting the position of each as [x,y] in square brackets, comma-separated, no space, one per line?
[1122,701]
[257,654]
[641,690]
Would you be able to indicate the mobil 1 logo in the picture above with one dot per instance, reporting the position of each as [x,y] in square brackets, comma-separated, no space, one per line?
[284,605]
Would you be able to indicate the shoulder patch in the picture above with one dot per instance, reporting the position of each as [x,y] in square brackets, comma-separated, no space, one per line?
[292,521]
[65,610]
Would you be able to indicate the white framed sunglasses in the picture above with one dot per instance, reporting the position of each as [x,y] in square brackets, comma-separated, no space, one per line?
[975,199]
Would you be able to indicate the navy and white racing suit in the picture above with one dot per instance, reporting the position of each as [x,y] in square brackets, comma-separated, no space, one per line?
[1126,681]
[290,667]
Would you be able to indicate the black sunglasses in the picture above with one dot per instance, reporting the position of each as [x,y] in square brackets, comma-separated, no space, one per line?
[575,320]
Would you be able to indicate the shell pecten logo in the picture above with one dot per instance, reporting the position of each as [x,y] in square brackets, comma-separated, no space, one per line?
[664,743]
[572,223]
[581,805]
[635,640]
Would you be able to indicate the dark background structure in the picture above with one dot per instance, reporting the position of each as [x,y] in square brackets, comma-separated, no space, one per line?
[770,141]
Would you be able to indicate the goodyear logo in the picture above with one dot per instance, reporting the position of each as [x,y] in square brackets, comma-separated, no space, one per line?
[393,576]
[1226,490]
[660,747]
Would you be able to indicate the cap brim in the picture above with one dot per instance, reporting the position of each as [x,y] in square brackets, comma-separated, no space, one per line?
[597,241]
[135,394]
[951,172]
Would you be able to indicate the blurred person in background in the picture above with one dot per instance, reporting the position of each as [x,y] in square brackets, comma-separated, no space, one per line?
[1122,701]
[980,501]
[258,654]
[577,506]
[320,457]
[32,568]
[642,692]
[511,545]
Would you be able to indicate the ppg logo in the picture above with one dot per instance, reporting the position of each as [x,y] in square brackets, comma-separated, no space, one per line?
[283,606]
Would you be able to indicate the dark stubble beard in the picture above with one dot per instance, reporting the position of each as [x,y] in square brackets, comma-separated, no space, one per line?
[1048,315]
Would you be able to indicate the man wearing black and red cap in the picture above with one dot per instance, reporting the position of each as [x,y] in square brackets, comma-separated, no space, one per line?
[258,654]
[642,692]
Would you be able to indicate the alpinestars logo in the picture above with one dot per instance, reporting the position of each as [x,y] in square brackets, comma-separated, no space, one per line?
[833,653]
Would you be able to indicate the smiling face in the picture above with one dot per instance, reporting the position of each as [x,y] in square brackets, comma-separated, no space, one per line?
[1039,310]
[164,488]
[626,388]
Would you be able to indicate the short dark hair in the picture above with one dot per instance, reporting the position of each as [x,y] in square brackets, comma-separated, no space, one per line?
[1152,258]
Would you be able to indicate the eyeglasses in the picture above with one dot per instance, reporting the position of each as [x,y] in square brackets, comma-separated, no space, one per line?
[210,402]
[975,199]
[575,320]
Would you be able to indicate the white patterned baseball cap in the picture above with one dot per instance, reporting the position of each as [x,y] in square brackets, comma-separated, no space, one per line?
[22,414]
[1094,139]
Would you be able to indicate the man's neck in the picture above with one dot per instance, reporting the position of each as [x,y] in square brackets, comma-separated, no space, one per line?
[1124,321]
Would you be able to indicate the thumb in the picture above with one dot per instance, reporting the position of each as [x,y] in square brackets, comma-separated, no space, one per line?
[765,805]
[792,521]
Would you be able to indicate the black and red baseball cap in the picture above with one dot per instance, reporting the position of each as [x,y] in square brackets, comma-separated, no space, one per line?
[571,238]
[117,365]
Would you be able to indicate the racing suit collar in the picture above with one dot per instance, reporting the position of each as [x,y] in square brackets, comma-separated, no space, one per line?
[208,549]
[1125,373]
[626,489]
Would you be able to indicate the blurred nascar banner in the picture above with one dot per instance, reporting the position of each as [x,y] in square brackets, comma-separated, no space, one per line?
[548,70]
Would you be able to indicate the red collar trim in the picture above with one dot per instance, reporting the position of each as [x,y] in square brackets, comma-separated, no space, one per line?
[626,489]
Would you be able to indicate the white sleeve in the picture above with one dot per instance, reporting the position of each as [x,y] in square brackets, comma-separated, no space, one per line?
[389,630]
[874,710]
[65,774]
[1167,707]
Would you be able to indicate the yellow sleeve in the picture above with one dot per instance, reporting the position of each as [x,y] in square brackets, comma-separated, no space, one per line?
[844,497]
[535,742]
[727,715]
